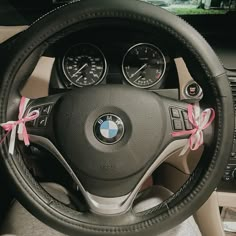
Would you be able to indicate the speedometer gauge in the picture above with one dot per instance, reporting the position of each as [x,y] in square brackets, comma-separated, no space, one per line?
[84,64]
[143,65]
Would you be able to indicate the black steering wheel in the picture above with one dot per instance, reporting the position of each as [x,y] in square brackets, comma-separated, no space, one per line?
[110,170]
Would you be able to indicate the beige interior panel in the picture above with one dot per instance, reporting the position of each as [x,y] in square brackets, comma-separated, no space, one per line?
[208,218]
[7,32]
[185,163]
[184,76]
[38,83]
[226,199]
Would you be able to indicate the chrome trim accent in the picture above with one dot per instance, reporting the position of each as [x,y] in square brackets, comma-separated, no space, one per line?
[109,206]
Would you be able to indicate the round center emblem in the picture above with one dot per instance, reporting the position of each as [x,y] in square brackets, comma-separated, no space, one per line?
[109,129]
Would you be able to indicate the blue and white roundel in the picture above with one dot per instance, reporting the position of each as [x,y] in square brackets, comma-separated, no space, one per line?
[109,129]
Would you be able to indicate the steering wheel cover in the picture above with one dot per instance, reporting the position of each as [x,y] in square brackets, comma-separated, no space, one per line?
[78,15]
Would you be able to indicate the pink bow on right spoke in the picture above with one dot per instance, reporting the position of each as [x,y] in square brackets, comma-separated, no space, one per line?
[200,121]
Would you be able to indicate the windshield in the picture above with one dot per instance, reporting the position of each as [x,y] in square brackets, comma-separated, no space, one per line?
[190,7]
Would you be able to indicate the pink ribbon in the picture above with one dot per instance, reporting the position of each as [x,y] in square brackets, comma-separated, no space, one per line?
[11,126]
[200,121]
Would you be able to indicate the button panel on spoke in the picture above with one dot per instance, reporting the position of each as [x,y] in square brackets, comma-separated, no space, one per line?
[44,113]
[179,117]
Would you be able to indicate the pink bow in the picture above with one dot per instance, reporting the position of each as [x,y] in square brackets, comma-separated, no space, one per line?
[200,121]
[11,126]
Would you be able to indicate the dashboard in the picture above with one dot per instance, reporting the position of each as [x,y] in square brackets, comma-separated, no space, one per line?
[113,57]
[84,64]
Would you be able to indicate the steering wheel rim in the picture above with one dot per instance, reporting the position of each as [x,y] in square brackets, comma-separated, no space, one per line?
[79,14]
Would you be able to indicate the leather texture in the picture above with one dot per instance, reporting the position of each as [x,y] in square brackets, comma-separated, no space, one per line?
[74,17]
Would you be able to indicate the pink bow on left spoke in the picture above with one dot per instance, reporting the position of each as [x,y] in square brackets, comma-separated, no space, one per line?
[200,121]
[11,126]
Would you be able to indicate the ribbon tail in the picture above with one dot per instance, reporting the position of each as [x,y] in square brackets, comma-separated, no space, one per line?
[20,132]
[23,103]
[25,136]
[12,141]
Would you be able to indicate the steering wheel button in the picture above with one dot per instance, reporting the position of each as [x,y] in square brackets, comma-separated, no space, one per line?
[36,109]
[175,113]
[177,125]
[185,115]
[42,121]
[188,125]
[46,109]
[193,90]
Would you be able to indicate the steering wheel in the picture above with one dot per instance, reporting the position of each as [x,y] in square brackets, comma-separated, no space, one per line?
[110,170]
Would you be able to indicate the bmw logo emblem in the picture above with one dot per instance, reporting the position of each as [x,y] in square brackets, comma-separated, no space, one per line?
[109,129]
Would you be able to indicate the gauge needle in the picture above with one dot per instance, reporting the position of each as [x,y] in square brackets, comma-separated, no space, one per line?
[79,79]
[135,73]
[138,78]
[81,68]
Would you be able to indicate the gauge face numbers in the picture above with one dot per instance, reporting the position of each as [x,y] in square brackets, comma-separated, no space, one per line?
[84,64]
[143,65]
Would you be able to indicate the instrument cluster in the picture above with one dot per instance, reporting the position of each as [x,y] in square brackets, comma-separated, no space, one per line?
[142,65]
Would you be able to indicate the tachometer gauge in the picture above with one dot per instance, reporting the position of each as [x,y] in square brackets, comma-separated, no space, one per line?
[143,65]
[84,64]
